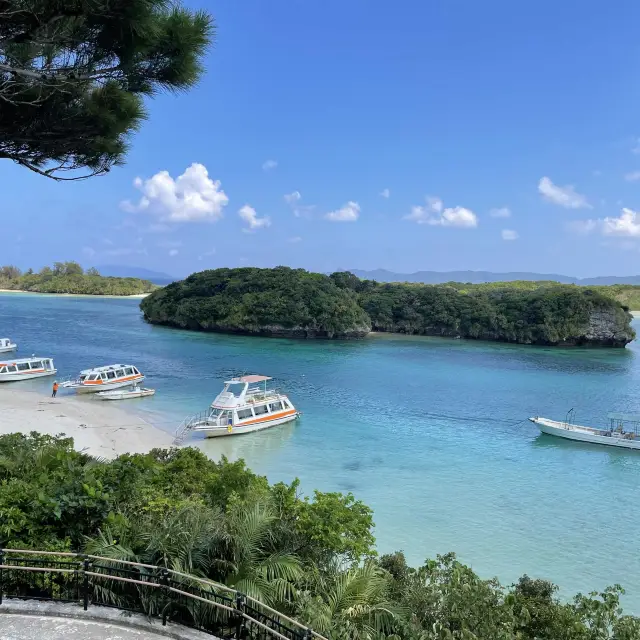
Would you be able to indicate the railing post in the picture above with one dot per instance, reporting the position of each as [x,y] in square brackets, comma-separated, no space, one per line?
[85,583]
[240,622]
[164,580]
[1,574]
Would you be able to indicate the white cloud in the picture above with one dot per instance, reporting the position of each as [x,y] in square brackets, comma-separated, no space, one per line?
[295,239]
[500,212]
[626,225]
[249,215]
[292,198]
[350,212]
[173,252]
[509,234]
[269,165]
[385,193]
[435,214]
[88,251]
[633,176]
[563,196]
[636,146]
[191,197]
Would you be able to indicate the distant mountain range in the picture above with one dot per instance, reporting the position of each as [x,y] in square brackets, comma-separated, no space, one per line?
[121,271]
[478,277]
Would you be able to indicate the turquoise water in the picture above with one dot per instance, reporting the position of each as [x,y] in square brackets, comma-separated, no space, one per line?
[432,433]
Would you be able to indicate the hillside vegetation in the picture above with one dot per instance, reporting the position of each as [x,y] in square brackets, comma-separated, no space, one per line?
[70,277]
[310,558]
[294,302]
[279,301]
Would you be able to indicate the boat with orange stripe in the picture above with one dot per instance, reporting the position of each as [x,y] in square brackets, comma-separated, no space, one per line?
[26,368]
[113,376]
[244,405]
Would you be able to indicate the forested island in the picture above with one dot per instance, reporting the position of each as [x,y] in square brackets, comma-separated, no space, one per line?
[297,303]
[71,278]
[310,558]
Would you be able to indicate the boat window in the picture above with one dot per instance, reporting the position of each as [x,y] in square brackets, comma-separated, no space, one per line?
[261,409]
[243,414]
[135,371]
[3,369]
[36,365]
[275,406]
[111,375]
[12,368]
[93,376]
[128,371]
[215,413]
[227,416]
[23,366]
[120,373]
[287,404]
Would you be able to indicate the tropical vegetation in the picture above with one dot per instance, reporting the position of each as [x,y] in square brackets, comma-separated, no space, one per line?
[284,301]
[70,277]
[74,75]
[312,558]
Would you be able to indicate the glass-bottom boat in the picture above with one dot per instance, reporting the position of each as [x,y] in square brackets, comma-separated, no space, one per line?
[244,405]
[113,376]
[26,368]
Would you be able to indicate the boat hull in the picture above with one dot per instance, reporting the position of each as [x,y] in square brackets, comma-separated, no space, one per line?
[228,430]
[27,375]
[125,395]
[11,347]
[107,386]
[578,434]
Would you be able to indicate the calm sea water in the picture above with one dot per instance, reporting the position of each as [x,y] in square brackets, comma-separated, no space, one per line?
[432,433]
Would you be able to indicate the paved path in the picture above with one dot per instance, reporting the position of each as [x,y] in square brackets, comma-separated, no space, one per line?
[20,627]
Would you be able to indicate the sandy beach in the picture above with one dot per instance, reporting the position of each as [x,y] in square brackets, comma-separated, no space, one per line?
[71,295]
[96,427]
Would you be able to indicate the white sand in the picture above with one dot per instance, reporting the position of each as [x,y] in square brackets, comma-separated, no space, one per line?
[97,427]
[72,295]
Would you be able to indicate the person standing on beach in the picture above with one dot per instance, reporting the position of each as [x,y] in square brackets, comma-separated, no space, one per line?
[55,389]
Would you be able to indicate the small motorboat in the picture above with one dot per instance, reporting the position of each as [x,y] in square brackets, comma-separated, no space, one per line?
[125,394]
[111,377]
[623,430]
[244,405]
[26,368]
[6,345]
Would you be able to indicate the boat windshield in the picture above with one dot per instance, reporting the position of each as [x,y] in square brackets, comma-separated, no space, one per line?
[236,388]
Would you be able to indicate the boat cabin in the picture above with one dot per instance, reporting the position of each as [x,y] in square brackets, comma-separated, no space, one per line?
[111,373]
[5,343]
[27,365]
[246,399]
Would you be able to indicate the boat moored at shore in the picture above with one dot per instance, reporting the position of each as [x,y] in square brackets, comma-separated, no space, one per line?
[113,376]
[125,394]
[26,368]
[623,431]
[6,345]
[244,405]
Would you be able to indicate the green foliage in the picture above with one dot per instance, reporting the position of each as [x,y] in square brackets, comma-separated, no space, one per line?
[69,277]
[74,76]
[280,301]
[310,558]
[285,301]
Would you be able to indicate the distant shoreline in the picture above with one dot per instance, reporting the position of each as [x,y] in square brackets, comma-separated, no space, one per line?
[73,295]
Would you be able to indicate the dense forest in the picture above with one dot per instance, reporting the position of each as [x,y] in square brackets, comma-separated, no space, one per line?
[294,302]
[279,301]
[311,558]
[70,277]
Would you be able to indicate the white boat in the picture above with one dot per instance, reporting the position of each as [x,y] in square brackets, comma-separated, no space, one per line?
[6,345]
[113,376]
[244,405]
[26,368]
[623,431]
[125,394]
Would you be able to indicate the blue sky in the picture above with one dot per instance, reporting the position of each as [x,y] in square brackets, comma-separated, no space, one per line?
[454,109]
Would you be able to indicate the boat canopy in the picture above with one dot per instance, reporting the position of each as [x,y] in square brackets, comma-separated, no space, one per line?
[253,379]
